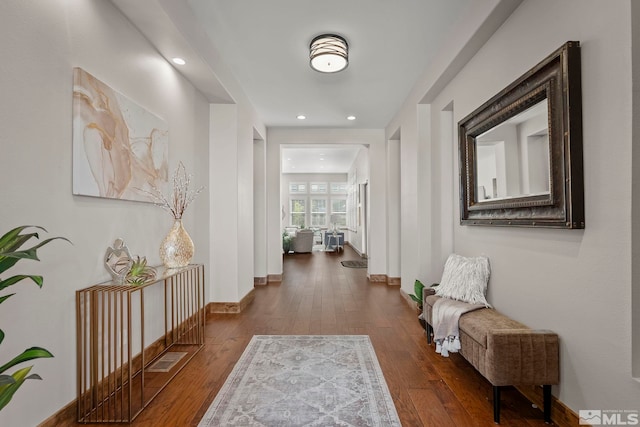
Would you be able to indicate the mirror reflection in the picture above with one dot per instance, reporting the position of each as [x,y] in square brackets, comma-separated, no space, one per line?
[512,158]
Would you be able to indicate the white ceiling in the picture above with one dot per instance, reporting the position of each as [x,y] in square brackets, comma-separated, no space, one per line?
[256,51]
[318,158]
[266,45]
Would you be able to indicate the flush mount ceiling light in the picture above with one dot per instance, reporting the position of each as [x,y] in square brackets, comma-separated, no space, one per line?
[179,61]
[328,53]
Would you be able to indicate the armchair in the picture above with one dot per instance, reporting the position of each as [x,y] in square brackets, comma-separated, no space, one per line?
[303,241]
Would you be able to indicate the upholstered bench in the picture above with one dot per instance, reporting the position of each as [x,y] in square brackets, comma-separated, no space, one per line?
[505,352]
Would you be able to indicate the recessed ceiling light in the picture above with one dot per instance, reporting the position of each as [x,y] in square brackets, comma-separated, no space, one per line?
[351,117]
[179,61]
[301,117]
[321,158]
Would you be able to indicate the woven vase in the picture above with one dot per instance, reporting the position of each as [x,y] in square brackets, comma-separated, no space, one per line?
[177,248]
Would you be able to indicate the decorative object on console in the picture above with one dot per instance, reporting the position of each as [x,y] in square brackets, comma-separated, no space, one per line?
[176,250]
[118,261]
[465,279]
[124,268]
[521,151]
[118,146]
[140,273]
[10,254]
[177,247]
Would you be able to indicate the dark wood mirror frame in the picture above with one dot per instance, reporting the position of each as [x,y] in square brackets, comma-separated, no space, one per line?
[556,79]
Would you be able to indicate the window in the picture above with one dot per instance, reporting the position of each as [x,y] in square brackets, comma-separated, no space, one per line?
[318,212]
[298,188]
[298,212]
[318,187]
[339,212]
[338,188]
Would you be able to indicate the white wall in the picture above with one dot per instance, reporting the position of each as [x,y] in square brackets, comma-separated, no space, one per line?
[232,209]
[260,208]
[360,170]
[379,249]
[392,208]
[410,186]
[224,223]
[635,119]
[575,282]
[44,41]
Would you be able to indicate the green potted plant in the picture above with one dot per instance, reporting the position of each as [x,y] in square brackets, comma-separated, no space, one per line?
[286,242]
[417,297]
[418,288]
[140,273]
[10,254]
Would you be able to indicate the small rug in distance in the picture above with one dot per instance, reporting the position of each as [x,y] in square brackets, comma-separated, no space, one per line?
[355,264]
[304,380]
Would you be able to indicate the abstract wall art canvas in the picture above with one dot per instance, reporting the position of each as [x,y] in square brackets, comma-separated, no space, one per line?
[119,148]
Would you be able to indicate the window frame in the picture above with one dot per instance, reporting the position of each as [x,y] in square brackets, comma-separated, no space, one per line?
[326,212]
[298,191]
[297,213]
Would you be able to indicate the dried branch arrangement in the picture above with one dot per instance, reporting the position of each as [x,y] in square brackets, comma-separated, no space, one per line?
[180,197]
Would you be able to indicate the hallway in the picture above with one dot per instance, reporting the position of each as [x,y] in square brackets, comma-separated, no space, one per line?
[320,296]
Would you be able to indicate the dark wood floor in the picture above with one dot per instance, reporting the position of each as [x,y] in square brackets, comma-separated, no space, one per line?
[319,296]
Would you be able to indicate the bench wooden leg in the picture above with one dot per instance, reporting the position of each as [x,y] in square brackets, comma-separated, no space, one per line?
[546,391]
[496,404]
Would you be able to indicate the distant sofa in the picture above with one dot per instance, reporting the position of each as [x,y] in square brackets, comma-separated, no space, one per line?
[303,241]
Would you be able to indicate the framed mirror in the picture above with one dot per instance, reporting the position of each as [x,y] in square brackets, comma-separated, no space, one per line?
[521,151]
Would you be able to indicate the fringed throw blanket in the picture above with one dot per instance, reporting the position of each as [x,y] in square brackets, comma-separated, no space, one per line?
[445,317]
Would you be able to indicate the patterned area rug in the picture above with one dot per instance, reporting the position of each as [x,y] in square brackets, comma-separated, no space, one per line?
[355,264]
[304,380]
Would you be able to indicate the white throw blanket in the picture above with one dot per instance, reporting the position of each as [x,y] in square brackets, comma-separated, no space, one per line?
[445,318]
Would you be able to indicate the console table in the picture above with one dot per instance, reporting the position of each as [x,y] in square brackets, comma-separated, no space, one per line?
[119,372]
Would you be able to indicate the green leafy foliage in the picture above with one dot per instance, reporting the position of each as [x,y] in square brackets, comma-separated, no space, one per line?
[417,288]
[10,253]
[140,272]
[286,242]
